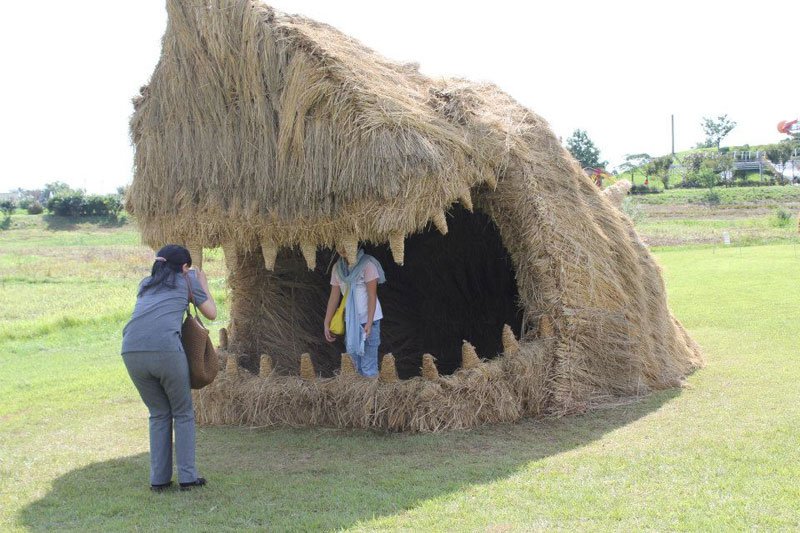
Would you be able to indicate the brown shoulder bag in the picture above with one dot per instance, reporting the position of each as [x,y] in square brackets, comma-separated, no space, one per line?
[203,361]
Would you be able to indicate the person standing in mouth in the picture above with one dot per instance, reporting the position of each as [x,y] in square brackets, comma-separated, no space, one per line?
[155,360]
[362,310]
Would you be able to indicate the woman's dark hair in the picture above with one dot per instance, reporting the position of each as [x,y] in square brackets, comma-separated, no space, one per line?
[168,264]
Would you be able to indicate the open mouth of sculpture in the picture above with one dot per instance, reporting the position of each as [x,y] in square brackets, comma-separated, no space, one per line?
[450,288]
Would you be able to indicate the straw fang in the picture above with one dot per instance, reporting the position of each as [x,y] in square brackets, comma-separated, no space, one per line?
[265,368]
[348,368]
[196,251]
[429,370]
[440,222]
[469,357]
[466,199]
[388,370]
[307,368]
[510,344]
[270,251]
[309,251]
[223,338]
[546,329]
[350,248]
[232,366]
[397,242]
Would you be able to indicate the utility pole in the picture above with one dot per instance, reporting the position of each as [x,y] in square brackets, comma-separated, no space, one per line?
[672,119]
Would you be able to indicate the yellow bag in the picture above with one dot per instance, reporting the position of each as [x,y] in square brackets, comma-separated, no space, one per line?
[337,322]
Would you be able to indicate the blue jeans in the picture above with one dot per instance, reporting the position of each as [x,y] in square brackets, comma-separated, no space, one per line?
[367,364]
[162,379]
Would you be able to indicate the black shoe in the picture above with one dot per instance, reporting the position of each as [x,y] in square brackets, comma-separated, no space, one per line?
[162,487]
[199,482]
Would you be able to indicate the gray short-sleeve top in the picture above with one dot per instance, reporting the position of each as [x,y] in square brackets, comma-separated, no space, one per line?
[155,325]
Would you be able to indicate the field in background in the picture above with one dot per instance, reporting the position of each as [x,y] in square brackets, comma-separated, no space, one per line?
[718,454]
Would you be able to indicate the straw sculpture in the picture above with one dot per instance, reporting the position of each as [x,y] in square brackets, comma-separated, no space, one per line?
[281,140]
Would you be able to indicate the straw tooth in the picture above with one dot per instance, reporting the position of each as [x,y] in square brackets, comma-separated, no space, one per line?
[440,222]
[466,199]
[546,328]
[491,181]
[270,251]
[223,339]
[307,368]
[196,251]
[309,250]
[397,242]
[229,251]
[469,357]
[510,344]
[348,368]
[388,370]
[350,245]
[429,370]
[265,368]
[232,366]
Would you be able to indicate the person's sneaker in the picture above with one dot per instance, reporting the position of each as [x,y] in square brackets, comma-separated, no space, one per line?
[199,482]
[161,487]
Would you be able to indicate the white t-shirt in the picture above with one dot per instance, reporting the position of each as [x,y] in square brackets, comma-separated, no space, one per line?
[368,273]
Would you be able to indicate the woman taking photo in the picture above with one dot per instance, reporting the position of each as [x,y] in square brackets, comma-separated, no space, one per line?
[154,356]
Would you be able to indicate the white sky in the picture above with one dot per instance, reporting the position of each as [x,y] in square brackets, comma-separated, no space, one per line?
[617,69]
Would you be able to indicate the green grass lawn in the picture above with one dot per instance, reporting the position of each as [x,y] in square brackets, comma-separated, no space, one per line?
[772,195]
[719,454]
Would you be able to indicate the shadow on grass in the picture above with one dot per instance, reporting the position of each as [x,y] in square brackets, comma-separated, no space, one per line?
[6,223]
[59,223]
[308,479]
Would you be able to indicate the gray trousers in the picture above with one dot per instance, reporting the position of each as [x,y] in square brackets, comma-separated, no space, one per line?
[162,379]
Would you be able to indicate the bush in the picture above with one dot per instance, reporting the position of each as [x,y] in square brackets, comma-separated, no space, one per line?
[68,204]
[711,198]
[34,208]
[7,207]
[783,217]
[644,189]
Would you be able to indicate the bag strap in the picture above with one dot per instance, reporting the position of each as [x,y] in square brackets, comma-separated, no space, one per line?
[191,296]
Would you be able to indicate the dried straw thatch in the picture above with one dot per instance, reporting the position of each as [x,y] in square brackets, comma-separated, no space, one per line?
[279,139]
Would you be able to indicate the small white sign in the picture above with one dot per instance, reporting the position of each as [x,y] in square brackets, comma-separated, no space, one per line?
[726,237]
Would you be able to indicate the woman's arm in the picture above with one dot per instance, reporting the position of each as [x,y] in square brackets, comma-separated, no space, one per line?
[372,302]
[209,307]
[333,302]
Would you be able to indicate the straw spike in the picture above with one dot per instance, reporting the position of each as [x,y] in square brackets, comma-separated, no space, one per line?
[491,181]
[310,254]
[429,370]
[229,251]
[440,222]
[348,367]
[232,366]
[270,252]
[397,242]
[223,338]
[265,368]
[546,328]
[469,357]
[388,370]
[466,199]
[196,251]
[307,368]
[350,245]
[510,343]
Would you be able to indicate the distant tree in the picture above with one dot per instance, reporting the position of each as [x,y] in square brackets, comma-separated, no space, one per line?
[660,167]
[716,129]
[635,163]
[583,149]
[54,188]
[7,207]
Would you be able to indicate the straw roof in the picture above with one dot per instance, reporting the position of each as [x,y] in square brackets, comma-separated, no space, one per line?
[261,131]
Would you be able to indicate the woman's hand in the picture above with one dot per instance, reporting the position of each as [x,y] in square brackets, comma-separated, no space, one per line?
[330,337]
[367,329]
